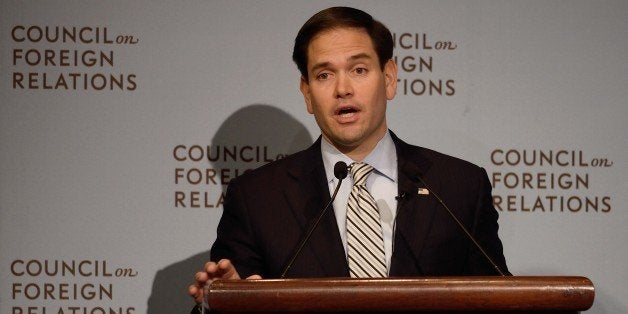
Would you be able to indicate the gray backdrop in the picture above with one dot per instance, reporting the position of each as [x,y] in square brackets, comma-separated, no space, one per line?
[119,131]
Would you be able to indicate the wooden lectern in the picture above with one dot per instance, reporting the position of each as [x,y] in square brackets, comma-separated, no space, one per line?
[417,295]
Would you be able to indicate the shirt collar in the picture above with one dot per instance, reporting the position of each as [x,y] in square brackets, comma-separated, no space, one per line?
[379,158]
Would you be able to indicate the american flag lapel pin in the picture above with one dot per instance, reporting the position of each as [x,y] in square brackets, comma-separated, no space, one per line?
[423,191]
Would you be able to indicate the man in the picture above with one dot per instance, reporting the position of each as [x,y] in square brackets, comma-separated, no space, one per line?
[347,77]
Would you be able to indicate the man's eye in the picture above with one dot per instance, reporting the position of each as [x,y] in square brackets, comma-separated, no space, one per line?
[322,76]
[360,71]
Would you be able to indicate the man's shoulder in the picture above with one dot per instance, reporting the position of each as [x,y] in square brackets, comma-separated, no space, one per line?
[433,158]
[442,159]
[290,165]
[446,173]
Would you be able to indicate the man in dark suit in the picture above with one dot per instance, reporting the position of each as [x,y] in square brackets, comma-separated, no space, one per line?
[348,76]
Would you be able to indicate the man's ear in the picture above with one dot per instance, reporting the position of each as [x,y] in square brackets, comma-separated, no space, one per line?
[390,77]
[304,86]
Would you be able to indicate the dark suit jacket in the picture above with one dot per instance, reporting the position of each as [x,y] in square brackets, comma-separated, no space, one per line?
[267,210]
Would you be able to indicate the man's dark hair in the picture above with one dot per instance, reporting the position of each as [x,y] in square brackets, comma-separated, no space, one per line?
[342,17]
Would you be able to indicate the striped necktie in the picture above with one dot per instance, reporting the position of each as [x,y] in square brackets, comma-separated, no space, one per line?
[365,243]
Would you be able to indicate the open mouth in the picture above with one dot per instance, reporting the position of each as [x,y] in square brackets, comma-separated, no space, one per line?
[346,111]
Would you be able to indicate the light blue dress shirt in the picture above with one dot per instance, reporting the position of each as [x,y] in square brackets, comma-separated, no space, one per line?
[382,183]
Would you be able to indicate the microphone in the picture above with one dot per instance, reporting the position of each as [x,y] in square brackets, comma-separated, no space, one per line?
[340,172]
[400,196]
[460,224]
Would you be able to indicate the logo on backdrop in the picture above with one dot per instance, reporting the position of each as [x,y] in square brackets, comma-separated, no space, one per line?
[549,181]
[69,286]
[417,60]
[46,57]
[204,171]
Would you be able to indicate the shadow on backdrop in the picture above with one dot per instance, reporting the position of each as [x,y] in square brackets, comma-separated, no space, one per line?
[254,125]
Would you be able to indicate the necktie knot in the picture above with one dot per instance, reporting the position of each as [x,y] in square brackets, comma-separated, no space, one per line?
[360,172]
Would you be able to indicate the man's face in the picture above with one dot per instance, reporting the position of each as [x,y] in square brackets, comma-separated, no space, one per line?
[347,91]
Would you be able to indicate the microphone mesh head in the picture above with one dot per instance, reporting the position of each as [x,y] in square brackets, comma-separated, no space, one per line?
[340,170]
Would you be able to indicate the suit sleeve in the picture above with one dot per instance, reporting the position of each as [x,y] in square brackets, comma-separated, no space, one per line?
[486,232]
[234,237]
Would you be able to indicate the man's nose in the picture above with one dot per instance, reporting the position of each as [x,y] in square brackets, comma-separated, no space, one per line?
[344,86]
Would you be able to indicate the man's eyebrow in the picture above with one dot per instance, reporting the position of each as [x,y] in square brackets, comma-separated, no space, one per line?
[319,65]
[351,58]
[360,56]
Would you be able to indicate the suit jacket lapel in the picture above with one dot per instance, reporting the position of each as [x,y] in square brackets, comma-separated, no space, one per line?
[414,213]
[306,198]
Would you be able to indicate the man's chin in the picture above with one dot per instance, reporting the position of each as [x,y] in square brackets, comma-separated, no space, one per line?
[345,143]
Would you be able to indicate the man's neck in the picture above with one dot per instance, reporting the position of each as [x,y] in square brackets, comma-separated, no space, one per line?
[382,157]
[357,152]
